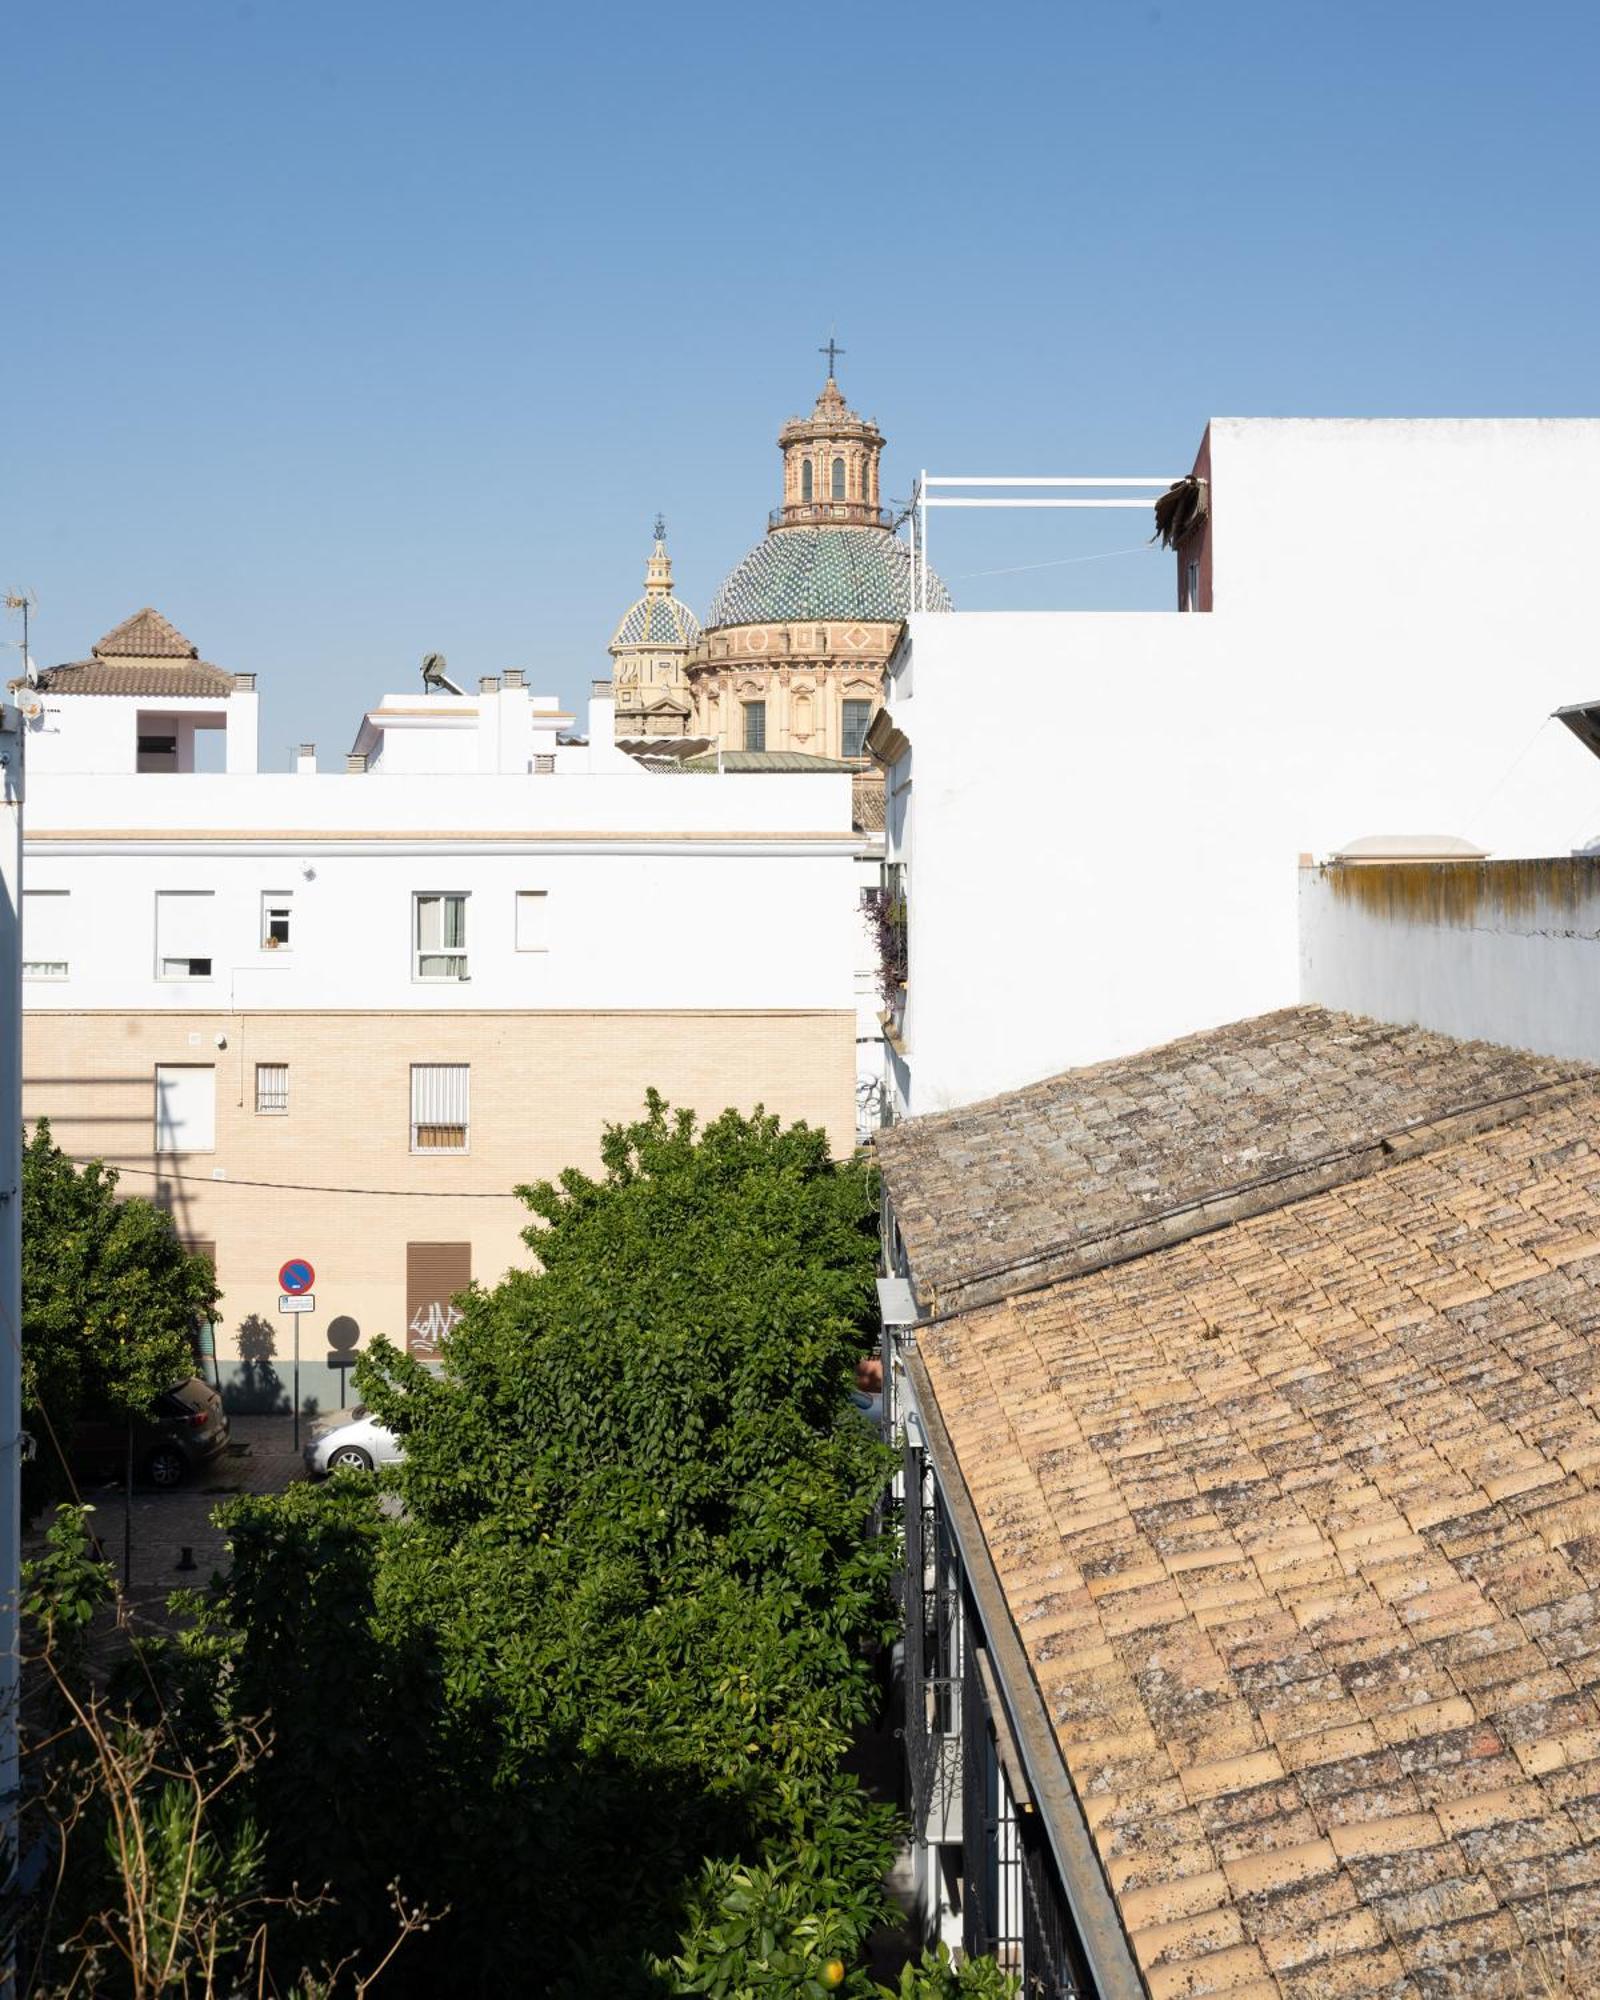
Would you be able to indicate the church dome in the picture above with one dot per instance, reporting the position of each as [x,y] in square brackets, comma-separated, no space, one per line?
[657,621]
[800,574]
[658,618]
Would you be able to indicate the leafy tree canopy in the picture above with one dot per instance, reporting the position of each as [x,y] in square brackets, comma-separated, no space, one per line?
[591,1682]
[110,1297]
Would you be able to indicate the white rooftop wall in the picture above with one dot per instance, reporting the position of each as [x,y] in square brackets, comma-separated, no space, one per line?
[1111,859]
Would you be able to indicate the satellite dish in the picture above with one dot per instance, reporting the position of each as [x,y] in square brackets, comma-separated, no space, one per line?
[30,704]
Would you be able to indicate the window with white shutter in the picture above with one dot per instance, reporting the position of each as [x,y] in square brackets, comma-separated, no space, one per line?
[183,933]
[45,920]
[440,1118]
[186,1108]
[533,931]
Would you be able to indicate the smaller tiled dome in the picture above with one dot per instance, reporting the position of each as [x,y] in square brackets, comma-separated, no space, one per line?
[658,621]
[658,618]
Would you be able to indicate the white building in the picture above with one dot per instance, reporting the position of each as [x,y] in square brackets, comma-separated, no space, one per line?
[1377,619]
[341,1016]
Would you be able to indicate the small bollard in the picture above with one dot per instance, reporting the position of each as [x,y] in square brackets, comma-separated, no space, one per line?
[186,1560]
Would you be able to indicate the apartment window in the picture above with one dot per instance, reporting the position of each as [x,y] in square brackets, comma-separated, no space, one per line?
[533,920]
[183,933]
[277,911]
[272,1089]
[441,936]
[439,1107]
[186,1108]
[45,915]
[755,725]
[857,717]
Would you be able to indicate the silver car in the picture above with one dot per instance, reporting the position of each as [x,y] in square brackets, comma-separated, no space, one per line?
[350,1439]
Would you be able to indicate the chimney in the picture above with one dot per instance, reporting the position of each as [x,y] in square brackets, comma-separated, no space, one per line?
[602,724]
[306,760]
[513,677]
[355,762]
[488,683]
[244,683]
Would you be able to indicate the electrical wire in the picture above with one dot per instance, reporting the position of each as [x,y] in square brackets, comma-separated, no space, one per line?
[300,1187]
[1058,562]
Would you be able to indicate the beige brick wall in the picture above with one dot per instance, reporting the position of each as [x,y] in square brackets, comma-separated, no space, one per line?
[543,1086]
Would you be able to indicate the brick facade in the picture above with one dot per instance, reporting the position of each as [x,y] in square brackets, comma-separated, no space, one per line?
[277,1185]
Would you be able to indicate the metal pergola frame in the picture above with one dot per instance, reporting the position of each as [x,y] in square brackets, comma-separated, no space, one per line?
[948,490]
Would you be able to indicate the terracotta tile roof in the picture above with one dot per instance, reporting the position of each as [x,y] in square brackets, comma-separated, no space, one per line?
[1299,1524]
[1104,1162]
[144,655]
[146,636]
[867,803]
[141,677]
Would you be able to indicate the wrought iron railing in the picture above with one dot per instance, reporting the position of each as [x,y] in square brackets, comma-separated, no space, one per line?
[933,1628]
[1013,1907]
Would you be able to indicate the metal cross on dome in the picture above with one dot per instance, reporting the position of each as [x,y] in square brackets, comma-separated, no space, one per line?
[833,348]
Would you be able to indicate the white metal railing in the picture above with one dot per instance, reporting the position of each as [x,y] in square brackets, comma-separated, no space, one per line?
[949,490]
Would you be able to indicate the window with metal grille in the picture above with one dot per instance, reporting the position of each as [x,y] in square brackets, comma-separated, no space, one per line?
[857,720]
[46,915]
[755,725]
[440,1120]
[440,928]
[272,1089]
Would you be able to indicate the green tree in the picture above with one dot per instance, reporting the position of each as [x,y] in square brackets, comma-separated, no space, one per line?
[110,1297]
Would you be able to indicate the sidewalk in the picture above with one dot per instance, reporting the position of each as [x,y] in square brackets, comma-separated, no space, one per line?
[260,1459]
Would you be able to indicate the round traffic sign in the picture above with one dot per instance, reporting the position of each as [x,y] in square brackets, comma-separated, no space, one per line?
[297,1277]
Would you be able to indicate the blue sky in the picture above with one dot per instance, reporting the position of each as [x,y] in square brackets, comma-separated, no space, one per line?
[344,332]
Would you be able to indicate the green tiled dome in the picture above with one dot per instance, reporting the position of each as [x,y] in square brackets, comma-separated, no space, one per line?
[657,621]
[804,573]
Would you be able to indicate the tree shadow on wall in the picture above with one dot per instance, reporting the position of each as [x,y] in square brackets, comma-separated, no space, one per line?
[257,1388]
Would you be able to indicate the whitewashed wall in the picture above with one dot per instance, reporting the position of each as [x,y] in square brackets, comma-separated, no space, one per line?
[1515,959]
[729,892]
[1399,606]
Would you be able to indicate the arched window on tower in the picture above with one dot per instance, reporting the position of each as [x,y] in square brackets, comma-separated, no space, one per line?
[866,482]
[838,479]
[805,479]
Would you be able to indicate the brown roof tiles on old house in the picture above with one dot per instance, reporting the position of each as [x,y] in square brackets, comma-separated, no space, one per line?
[1106,1162]
[146,636]
[1298,1520]
[144,655]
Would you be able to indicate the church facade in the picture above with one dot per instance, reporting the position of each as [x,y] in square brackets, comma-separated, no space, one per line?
[792,657]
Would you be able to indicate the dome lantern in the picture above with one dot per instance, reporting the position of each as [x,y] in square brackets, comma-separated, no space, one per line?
[830,467]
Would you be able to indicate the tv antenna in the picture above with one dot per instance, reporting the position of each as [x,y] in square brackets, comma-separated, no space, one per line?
[24,601]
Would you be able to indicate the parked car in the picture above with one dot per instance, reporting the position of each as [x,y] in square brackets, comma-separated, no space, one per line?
[183,1431]
[350,1439]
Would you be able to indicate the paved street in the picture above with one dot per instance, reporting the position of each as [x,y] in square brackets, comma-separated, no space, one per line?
[260,1459]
